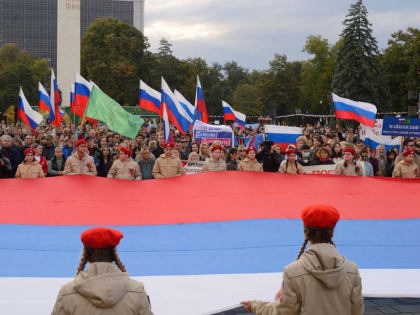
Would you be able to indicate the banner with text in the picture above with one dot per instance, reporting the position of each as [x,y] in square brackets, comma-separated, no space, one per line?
[319,169]
[205,133]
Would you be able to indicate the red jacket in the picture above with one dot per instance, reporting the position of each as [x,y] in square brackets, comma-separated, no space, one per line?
[44,164]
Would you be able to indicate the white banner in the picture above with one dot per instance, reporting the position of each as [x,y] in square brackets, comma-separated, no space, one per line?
[205,133]
[193,167]
[319,169]
[377,129]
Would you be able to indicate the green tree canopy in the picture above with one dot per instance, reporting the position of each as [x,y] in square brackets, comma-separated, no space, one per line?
[19,68]
[114,56]
[358,74]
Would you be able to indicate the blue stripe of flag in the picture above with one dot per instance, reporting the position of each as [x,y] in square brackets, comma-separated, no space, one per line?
[349,108]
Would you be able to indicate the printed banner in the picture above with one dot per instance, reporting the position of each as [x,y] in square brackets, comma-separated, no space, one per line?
[205,133]
[401,126]
[377,129]
[193,167]
[319,169]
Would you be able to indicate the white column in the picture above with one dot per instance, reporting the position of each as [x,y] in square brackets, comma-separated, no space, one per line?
[68,45]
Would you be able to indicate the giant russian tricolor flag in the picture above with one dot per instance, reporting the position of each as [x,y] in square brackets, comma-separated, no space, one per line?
[283,135]
[200,112]
[149,99]
[26,114]
[195,257]
[364,113]
[230,114]
[82,89]
[176,112]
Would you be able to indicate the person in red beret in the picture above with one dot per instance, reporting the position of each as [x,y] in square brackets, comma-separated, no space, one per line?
[250,163]
[290,166]
[406,168]
[80,162]
[125,167]
[321,280]
[29,168]
[167,165]
[349,166]
[217,160]
[105,287]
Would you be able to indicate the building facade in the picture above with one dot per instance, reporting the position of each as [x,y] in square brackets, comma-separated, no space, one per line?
[52,29]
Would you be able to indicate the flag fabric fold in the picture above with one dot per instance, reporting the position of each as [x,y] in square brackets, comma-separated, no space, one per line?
[283,135]
[44,104]
[82,89]
[189,108]
[26,114]
[103,108]
[230,114]
[200,112]
[149,99]
[364,113]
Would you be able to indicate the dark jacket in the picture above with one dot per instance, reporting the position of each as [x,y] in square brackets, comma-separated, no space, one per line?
[48,151]
[231,165]
[146,168]
[303,163]
[103,168]
[270,161]
[319,162]
[157,152]
[13,154]
[53,169]
[5,168]
[389,168]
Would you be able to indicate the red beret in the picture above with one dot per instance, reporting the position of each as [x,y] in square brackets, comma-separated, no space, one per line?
[29,150]
[408,152]
[320,216]
[251,149]
[101,237]
[291,151]
[351,150]
[79,142]
[216,147]
[168,145]
[126,151]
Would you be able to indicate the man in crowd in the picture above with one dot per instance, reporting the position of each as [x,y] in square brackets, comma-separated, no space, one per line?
[159,149]
[56,164]
[408,145]
[10,152]
[179,148]
[125,167]
[80,162]
[48,148]
[167,165]
[269,158]
[146,163]
[406,168]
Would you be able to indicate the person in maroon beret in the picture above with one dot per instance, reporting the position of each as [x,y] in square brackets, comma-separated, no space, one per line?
[29,168]
[105,287]
[80,162]
[167,165]
[349,166]
[125,167]
[250,163]
[217,161]
[321,280]
[290,166]
[406,168]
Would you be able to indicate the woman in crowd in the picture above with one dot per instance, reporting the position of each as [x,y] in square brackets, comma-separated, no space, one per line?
[290,166]
[232,160]
[349,166]
[337,152]
[194,148]
[105,161]
[241,152]
[216,162]
[321,280]
[323,157]
[204,152]
[250,163]
[29,168]
[40,158]
[105,287]
[390,162]
[380,156]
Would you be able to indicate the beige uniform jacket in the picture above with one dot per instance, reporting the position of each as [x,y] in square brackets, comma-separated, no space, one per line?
[321,282]
[292,168]
[212,165]
[401,157]
[406,170]
[74,165]
[29,170]
[167,167]
[127,169]
[103,289]
[250,165]
[349,170]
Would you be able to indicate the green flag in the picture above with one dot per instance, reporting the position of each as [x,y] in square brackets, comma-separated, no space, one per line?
[103,108]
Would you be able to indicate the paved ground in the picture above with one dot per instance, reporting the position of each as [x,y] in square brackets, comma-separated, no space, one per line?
[373,306]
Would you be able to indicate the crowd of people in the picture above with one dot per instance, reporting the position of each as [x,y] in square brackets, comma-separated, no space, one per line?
[85,149]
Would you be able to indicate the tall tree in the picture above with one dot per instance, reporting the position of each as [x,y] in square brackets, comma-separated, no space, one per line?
[114,56]
[358,74]
[401,62]
[19,68]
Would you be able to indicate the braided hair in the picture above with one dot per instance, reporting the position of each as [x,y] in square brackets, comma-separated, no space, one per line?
[108,254]
[83,261]
[316,236]
[117,260]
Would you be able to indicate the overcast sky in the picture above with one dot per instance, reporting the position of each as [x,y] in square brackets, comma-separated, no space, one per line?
[252,31]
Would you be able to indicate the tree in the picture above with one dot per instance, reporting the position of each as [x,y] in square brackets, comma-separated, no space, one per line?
[246,99]
[401,63]
[165,48]
[114,56]
[358,74]
[19,69]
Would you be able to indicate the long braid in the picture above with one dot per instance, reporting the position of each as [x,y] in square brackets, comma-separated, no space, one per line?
[302,249]
[83,261]
[118,262]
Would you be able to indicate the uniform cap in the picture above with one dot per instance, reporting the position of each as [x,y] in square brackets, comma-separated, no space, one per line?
[126,150]
[168,145]
[320,216]
[291,151]
[408,152]
[250,149]
[216,147]
[79,142]
[29,150]
[351,150]
[101,237]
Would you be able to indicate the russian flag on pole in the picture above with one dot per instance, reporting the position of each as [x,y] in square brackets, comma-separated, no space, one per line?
[230,114]
[149,99]
[26,114]
[55,100]
[71,95]
[44,103]
[176,113]
[200,112]
[82,89]
[189,108]
[364,113]
[166,127]
[283,135]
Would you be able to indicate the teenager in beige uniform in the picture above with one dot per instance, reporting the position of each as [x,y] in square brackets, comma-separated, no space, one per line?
[104,288]
[167,165]
[29,168]
[406,168]
[290,166]
[320,281]
[217,162]
[125,167]
[250,163]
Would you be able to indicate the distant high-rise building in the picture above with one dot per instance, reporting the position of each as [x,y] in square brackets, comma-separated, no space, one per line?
[52,29]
